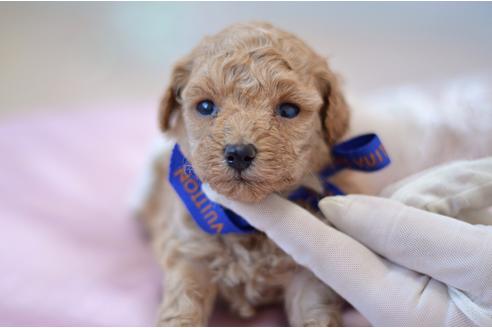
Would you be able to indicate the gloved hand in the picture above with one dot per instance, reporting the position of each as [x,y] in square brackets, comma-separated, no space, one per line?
[396,264]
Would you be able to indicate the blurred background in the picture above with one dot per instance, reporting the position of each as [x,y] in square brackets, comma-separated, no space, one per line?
[79,87]
[64,56]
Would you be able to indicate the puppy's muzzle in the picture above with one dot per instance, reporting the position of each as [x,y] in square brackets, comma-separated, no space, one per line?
[239,157]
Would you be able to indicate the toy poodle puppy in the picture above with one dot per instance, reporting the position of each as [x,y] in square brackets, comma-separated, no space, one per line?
[255,111]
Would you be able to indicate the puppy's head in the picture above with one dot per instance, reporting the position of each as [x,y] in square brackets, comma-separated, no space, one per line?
[256,110]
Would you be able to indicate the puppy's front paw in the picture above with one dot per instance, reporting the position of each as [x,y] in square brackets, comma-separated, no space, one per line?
[180,321]
[172,317]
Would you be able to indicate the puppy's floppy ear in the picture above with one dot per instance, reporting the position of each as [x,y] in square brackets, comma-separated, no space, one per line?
[335,112]
[171,101]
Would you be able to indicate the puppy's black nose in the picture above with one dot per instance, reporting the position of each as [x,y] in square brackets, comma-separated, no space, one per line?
[239,157]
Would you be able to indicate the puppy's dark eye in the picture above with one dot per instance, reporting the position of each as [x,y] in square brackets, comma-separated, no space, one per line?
[288,110]
[206,108]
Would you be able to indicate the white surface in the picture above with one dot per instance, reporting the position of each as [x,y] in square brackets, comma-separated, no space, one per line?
[421,128]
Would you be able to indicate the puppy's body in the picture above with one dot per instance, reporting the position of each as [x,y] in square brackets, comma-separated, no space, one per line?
[247,70]
[246,270]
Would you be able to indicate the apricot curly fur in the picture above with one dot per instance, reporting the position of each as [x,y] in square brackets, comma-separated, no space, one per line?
[247,70]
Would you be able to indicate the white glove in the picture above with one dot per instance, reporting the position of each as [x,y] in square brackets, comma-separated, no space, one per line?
[396,264]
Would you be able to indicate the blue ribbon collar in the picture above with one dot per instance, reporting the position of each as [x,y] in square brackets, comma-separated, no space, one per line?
[362,153]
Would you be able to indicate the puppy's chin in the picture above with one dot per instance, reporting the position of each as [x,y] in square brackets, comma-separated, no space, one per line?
[251,190]
[243,191]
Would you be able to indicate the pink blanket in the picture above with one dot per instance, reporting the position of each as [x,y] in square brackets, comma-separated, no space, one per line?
[70,252]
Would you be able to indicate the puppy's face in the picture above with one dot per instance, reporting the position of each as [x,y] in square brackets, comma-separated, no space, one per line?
[254,115]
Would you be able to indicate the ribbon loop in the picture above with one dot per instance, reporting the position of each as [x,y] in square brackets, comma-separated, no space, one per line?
[362,153]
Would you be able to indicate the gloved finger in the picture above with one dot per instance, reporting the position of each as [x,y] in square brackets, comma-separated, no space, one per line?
[385,293]
[447,189]
[454,252]
[258,214]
